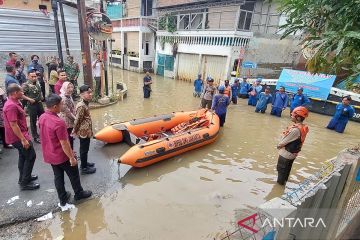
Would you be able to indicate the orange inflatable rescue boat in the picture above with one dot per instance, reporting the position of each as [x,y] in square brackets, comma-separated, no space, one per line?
[160,137]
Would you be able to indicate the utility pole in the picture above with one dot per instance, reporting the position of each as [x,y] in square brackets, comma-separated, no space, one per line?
[64,27]
[104,50]
[54,7]
[85,46]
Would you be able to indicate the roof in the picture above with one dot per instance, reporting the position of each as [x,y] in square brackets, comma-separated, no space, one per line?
[199,3]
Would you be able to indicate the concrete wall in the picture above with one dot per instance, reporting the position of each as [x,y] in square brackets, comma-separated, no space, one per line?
[30,5]
[133,8]
[222,17]
[133,42]
[271,55]
[117,44]
[163,3]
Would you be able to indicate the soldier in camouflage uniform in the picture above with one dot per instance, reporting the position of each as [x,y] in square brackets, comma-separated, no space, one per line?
[32,90]
[72,71]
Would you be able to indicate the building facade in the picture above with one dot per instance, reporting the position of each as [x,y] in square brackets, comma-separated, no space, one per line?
[134,26]
[210,37]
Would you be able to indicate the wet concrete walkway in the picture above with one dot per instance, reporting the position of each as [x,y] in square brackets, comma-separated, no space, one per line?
[45,199]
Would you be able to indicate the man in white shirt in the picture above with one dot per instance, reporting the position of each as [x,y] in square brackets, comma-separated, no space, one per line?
[96,67]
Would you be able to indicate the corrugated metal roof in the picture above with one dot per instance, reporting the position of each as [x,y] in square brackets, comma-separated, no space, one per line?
[32,31]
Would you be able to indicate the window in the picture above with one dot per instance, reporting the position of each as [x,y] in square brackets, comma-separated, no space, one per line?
[147,48]
[248,6]
[134,63]
[146,7]
[184,21]
[116,60]
[196,20]
[246,14]
[147,65]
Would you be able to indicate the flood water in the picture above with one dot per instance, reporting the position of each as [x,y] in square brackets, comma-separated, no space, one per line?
[195,195]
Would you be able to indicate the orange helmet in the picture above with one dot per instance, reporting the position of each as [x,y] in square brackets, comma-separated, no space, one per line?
[300,111]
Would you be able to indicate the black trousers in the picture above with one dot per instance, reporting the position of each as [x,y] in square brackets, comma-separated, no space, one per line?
[147,91]
[234,99]
[2,136]
[71,139]
[222,118]
[26,162]
[35,110]
[42,85]
[84,149]
[283,167]
[97,86]
[73,174]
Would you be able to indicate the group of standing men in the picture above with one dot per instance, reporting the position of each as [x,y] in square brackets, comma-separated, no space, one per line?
[294,136]
[260,96]
[58,126]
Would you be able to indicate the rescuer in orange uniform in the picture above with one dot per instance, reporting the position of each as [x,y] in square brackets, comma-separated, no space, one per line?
[291,142]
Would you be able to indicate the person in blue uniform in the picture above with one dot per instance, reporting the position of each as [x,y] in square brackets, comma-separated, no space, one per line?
[147,85]
[280,102]
[255,91]
[198,86]
[235,90]
[264,99]
[344,111]
[299,99]
[244,88]
[219,104]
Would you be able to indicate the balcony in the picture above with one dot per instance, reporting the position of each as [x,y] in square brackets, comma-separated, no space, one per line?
[136,24]
[223,38]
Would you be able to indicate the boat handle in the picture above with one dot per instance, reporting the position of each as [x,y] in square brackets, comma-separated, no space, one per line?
[160,150]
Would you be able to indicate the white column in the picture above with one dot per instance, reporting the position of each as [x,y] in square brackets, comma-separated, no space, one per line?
[176,66]
[199,65]
[122,48]
[228,64]
[140,68]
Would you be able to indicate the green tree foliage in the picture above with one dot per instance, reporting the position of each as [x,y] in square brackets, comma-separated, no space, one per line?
[168,23]
[331,28]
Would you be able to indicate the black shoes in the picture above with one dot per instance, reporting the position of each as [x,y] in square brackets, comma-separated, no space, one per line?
[82,195]
[33,178]
[37,140]
[8,146]
[63,203]
[88,170]
[90,164]
[30,186]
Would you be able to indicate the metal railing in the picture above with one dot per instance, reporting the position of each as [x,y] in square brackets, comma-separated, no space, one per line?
[134,22]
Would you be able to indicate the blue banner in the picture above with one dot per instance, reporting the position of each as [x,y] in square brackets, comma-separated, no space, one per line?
[314,85]
[249,65]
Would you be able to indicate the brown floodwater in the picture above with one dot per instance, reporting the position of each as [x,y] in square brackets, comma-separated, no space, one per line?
[196,195]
